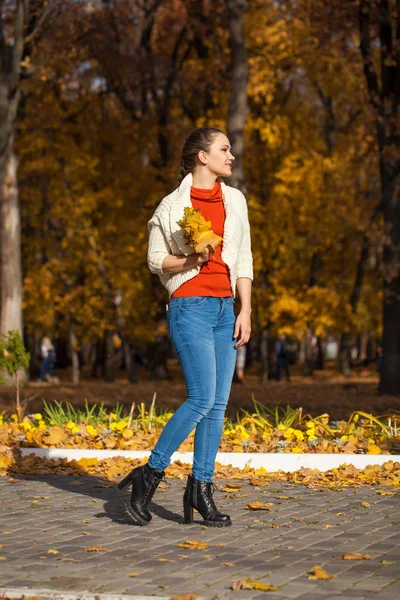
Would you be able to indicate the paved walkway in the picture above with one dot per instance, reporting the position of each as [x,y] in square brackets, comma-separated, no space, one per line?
[46,522]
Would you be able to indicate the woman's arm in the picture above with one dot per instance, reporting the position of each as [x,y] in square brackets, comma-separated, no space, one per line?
[176,264]
[243,320]
[160,259]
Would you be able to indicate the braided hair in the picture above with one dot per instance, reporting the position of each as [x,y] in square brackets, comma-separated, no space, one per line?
[199,139]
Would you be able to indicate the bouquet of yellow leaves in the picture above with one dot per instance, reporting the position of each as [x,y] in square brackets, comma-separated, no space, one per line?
[198,231]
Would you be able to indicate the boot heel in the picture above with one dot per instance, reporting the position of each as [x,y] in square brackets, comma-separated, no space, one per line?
[187,512]
[126,481]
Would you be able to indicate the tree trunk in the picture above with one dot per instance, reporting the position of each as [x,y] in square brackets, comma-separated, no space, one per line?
[321,354]
[384,96]
[108,357]
[11,51]
[308,361]
[238,104]
[390,380]
[127,356]
[10,245]
[344,354]
[74,355]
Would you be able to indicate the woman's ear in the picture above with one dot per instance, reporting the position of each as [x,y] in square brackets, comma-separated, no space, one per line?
[203,157]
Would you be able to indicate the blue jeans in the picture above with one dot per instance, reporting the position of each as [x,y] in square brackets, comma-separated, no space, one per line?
[282,363]
[45,368]
[201,330]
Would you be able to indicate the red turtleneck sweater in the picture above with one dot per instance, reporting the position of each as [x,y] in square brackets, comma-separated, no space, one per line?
[213,277]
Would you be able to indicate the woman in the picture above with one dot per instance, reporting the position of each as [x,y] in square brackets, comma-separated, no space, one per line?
[201,318]
[48,355]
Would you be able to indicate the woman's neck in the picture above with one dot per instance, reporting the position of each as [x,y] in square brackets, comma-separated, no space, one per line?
[204,179]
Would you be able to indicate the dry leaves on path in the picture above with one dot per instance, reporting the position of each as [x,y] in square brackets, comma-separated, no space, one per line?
[259,506]
[354,556]
[319,573]
[193,545]
[95,549]
[184,597]
[249,584]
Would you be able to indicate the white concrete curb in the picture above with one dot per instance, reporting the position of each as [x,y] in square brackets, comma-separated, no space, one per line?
[271,462]
[72,595]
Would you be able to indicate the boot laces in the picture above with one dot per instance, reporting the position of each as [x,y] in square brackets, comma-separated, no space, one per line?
[153,485]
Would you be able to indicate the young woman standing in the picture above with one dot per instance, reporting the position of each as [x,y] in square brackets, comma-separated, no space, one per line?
[202,324]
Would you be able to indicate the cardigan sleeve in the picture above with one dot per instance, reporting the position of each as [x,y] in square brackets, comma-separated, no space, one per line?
[245,258]
[158,246]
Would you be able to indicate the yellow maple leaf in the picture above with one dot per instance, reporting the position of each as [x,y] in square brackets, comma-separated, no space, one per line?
[198,231]
[249,584]
[193,545]
[319,573]
[355,556]
[259,506]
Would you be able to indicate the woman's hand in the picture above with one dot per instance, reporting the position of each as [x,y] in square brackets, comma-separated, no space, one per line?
[242,328]
[204,256]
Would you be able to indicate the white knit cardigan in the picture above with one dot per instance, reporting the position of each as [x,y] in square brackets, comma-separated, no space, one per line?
[166,236]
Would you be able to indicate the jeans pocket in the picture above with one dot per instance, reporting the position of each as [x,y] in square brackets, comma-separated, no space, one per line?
[192,301]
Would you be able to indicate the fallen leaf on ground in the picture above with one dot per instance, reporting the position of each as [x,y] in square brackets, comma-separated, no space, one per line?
[230,490]
[249,584]
[327,526]
[366,504]
[86,533]
[85,521]
[259,506]
[384,493]
[95,549]
[388,562]
[234,486]
[257,482]
[193,545]
[220,545]
[132,574]
[339,514]
[1,545]
[227,564]
[3,558]
[184,597]
[73,560]
[355,556]
[53,552]
[319,573]
[163,560]
[6,532]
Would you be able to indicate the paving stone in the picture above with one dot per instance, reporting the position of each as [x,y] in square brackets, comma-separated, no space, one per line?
[281,556]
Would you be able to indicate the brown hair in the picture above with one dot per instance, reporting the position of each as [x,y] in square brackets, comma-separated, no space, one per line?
[199,139]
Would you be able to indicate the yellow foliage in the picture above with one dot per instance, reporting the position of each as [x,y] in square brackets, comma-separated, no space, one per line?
[198,231]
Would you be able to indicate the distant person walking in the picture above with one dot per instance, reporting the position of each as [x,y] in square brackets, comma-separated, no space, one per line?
[202,324]
[48,354]
[282,357]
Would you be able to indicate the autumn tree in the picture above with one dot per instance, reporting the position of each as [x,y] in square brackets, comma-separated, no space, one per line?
[379,25]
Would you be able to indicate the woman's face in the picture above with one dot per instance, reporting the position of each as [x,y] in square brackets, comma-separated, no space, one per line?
[219,158]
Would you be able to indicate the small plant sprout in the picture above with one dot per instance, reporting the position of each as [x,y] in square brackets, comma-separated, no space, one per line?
[13,358]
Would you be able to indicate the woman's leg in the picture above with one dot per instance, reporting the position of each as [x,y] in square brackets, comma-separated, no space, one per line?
[209,430]
[191,321]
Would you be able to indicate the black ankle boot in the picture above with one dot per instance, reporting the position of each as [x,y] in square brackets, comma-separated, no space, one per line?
[198,495]
[145,481]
